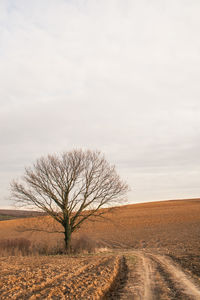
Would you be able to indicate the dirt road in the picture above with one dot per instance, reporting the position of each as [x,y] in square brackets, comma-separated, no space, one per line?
[121,274]
[154,277]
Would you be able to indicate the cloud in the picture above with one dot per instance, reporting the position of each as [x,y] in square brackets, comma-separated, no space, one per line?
[119,76]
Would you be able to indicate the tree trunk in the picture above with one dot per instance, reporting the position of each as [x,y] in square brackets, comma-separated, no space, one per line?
[67,234]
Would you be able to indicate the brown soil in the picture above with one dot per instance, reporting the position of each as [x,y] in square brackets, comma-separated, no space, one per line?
[57,277]
[150,276]
[159,242]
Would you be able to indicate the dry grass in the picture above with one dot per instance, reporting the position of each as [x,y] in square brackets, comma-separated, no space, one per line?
[19,246]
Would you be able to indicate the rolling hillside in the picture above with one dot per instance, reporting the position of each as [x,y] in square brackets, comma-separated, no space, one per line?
[162,225]
[151,251]
[9,214]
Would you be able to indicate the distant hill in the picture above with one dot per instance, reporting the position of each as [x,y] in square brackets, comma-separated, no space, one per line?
[9,214]
[169,226]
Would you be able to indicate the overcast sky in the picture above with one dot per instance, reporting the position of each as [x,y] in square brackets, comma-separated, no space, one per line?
[116,75]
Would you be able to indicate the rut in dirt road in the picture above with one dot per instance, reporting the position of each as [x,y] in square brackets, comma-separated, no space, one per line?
[155,277]
[182,283]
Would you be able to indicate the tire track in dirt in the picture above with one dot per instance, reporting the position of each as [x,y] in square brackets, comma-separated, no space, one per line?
[155,277]
[138,275]
[177,279]
[147,275]
[140,283]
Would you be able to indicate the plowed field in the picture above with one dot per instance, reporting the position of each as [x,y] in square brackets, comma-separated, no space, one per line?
[57,277]
[153,252]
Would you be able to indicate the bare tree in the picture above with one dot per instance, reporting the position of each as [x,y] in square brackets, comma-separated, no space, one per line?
[70,188]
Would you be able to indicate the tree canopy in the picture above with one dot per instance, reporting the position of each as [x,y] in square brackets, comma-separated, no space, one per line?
[70,187]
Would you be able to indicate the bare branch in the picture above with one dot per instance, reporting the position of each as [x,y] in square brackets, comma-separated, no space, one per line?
[71,188]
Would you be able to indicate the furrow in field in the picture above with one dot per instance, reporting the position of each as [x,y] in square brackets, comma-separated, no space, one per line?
[18,287]
[83,283]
